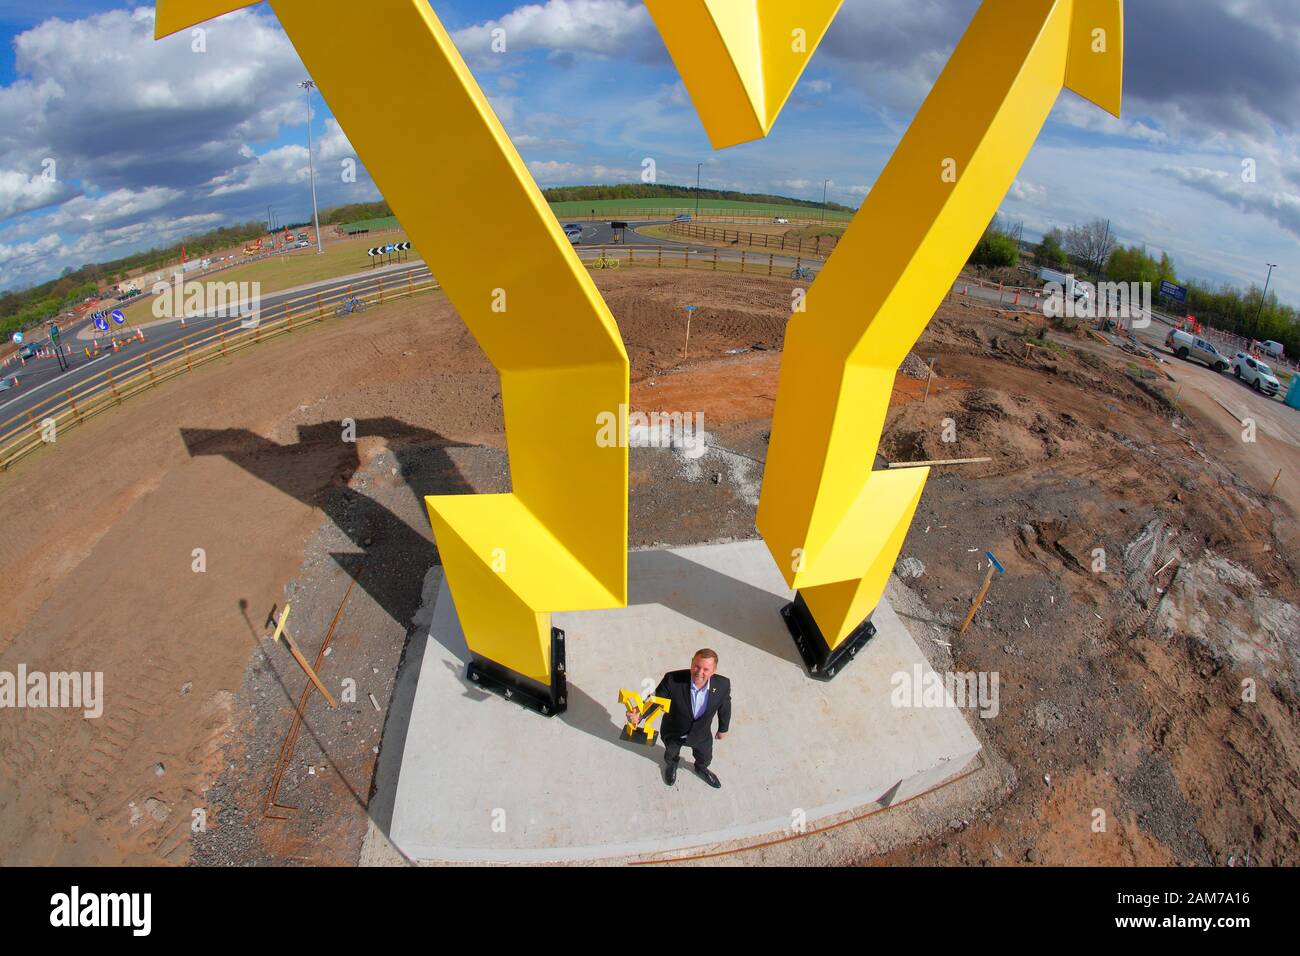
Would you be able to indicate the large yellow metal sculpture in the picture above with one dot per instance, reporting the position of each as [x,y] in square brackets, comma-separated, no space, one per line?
[740,59]
[833,524]
[436,150]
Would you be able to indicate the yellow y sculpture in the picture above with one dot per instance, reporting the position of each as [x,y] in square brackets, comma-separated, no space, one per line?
[441,158]
[835,526]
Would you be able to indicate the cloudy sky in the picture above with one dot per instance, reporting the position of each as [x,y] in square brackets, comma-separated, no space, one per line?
[111,142]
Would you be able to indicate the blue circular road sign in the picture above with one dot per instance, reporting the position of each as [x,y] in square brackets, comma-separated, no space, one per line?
[118,317]
[101,323]
[18,337]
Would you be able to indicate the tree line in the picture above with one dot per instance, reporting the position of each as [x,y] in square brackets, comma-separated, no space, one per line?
[1092,251]
[656,191]
[22,309]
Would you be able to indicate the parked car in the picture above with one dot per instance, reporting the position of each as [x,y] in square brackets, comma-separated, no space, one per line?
[1255,373]
[8,382]
[28,350]
[684,217]
[781,220]
[1272,348]
[1188,346]
[302,244]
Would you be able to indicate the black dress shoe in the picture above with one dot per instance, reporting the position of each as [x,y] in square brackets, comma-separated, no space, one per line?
[709,777]
[670,773]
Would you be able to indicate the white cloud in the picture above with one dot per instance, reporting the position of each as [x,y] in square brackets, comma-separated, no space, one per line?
[1280,206]
[614,28]
[1028,192]
[551,172]
[20,192]
[116,108]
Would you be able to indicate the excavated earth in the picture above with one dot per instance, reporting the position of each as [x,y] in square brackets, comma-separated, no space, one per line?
[1144,633]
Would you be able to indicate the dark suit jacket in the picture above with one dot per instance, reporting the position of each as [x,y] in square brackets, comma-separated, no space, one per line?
[680,720]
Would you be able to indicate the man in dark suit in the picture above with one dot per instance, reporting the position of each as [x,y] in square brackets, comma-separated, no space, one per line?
[697,695]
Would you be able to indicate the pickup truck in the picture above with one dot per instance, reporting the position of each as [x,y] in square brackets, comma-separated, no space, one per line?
[1187,346]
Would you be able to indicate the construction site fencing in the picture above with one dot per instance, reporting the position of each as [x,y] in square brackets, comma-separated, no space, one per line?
[706,212]
[680,257]
[811,247]
[23,433]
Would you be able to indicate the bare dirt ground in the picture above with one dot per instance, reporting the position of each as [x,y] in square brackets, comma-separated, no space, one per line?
[1121,682]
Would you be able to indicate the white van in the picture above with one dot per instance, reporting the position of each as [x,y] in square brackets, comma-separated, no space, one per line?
[1273,349]
[1073,289]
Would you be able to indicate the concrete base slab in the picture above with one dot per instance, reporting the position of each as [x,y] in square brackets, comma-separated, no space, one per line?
[483,780]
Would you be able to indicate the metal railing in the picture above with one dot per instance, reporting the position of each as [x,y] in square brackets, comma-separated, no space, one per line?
[807,214]
[766,240]
[670,257]
[23,433]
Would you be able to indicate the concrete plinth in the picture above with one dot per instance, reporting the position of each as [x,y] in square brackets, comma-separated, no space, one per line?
[484,780]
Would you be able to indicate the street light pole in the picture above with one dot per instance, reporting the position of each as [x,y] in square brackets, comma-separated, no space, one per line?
[697,189]
[310,85]
[1264,295]
[825,183]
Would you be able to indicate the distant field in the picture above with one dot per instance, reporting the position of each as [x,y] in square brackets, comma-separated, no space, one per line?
[655,208]
[374,225]
[287,270]
[668,206]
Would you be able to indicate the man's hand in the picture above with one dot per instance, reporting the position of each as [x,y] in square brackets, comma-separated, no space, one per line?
[634,716]
[721,735]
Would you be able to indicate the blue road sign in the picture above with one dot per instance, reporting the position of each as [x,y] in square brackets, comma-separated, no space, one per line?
[118,317]
[1176,292]
[101,323]
[18,337]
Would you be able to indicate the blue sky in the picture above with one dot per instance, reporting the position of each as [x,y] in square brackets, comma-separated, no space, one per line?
[151,140]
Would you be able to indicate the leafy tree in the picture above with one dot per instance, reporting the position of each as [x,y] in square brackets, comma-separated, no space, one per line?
[995,251]
[1050,252]
[1132,264]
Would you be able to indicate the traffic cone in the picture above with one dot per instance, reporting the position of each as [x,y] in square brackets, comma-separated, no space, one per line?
[115,346]
[140,334]
[182,320]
